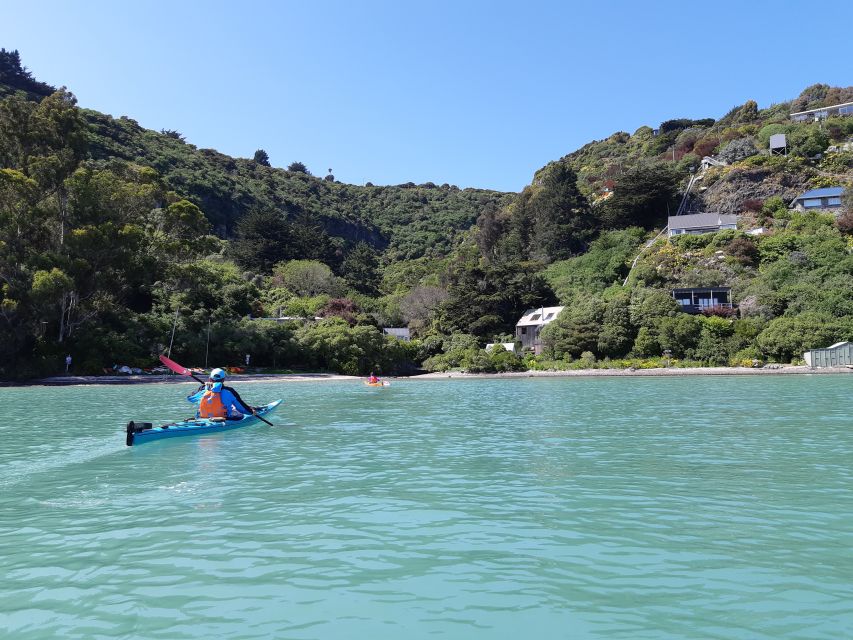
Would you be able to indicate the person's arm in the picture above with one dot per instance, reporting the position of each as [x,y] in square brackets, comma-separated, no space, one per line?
[233,398]
[196,397]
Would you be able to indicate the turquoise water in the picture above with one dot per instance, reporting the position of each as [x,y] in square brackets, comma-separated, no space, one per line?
[697,507]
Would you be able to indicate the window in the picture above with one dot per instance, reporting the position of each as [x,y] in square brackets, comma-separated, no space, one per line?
[848,110]
[834,201]
[535,317]
[524,331]
[549,316]
[812,203]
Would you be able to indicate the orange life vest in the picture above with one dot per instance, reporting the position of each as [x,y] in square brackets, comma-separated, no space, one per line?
[211,406]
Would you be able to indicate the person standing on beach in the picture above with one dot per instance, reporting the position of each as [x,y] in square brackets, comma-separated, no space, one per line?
[67,363]
[248,357]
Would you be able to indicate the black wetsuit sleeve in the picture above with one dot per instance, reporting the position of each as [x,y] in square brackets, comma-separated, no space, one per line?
[243,408]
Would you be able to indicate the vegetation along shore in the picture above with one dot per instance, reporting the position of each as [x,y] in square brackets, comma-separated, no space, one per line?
[691,243]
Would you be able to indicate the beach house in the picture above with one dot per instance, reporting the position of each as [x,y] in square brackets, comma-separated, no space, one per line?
[703,299]
[528,328]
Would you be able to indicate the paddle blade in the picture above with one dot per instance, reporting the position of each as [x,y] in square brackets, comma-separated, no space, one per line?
[174,366]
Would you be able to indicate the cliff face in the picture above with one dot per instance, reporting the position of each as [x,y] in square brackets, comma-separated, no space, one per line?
[727,192]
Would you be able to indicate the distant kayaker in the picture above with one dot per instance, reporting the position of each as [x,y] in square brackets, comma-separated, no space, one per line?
[373,379]
[215,400]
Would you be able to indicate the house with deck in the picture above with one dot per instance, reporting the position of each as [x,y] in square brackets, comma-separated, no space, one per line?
[528,328]
[703,299]
[696,223]
[822,113]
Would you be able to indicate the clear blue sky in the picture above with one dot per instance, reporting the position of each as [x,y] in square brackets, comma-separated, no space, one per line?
[471,93]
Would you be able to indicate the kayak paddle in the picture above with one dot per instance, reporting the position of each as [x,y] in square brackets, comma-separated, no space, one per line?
[183,371]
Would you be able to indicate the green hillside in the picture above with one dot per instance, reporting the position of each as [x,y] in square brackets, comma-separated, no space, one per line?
[113,238]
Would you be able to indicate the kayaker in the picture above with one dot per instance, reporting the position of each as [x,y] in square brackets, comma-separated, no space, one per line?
[215,400]
[373,379]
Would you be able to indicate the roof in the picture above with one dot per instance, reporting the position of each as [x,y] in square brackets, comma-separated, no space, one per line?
[832,106]
[701,220]
[701,289]
[826,192]
[538,316]
[508,346]
[837,344]
[400,332]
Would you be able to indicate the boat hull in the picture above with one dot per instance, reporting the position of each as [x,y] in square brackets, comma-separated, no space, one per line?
[139,433]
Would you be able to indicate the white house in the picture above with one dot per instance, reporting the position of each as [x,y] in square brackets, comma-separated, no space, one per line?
[821,113]
[507,346]
[527,329]
[398,332]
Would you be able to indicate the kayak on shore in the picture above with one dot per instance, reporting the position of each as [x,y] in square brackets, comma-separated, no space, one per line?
[141,432]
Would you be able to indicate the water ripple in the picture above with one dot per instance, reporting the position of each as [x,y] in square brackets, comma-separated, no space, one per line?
[624,508]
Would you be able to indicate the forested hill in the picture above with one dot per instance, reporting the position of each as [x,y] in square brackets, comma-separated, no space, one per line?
[118,242]
[405,221]
[408,220]
[740,138]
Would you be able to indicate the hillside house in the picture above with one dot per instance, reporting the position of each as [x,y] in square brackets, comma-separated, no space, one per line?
[696,223]
[822,113]
[828,198]
[401,333]
[528,328]
[700,299]
[506,346]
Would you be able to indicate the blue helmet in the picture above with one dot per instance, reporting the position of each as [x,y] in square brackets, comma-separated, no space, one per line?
[217,375]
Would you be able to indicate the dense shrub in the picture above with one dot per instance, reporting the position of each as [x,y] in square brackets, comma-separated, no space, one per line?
[737,150]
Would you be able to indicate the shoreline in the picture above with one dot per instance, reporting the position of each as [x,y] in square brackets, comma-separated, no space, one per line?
[66,381]
[644,373]
[57,381]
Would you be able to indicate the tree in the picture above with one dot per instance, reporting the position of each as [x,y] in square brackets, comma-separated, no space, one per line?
[262,158]
[305,278]
[576,329]
[418,305]
[738,150]
[648,305]
[361,269]
[262,239]
[617,332]
[560,215]
[489,231]
[485,300]
[298,167]
[808,141]
[642,197]
[748,112]
[343,308]
[12,73]
[679,333]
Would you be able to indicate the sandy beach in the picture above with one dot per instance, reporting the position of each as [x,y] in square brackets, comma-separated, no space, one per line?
[321,377]
[660,372]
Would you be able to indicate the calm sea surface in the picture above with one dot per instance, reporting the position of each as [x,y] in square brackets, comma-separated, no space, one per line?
[698,507]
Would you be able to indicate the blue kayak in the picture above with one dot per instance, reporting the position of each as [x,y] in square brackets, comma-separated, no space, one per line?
[139,432]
